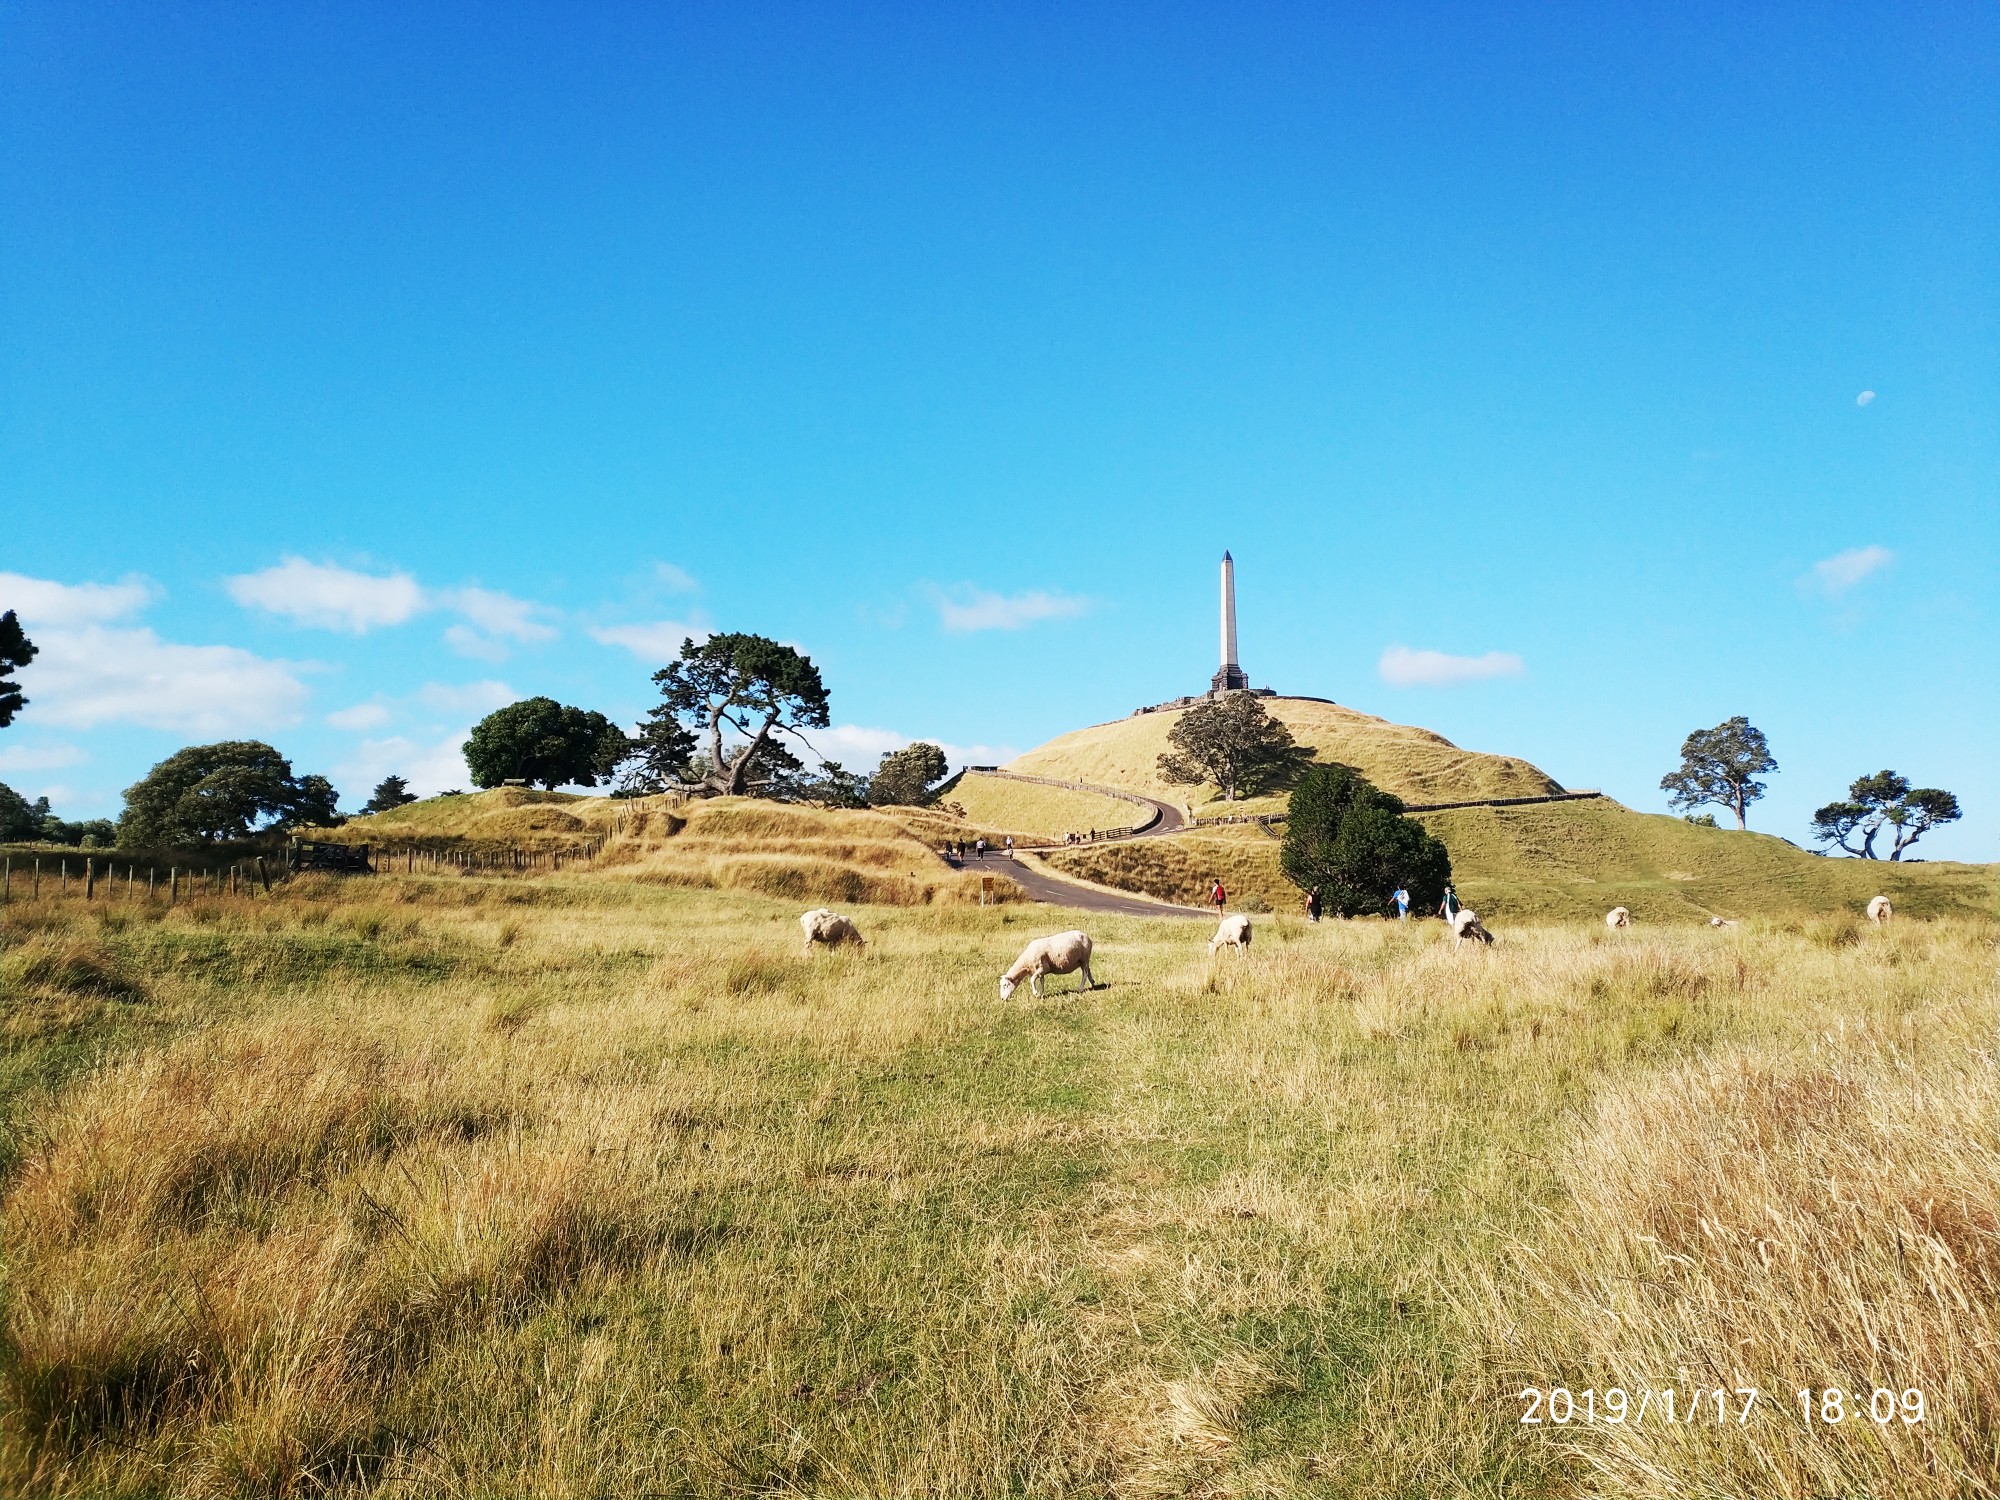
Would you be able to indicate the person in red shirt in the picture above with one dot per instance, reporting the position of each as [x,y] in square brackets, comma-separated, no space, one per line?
[1219,896]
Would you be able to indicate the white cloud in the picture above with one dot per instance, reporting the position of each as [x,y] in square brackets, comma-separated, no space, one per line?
[360,716]
[430,768]
[1839,573]
[1864,398]
[1402,667]
[329,596]
[98,675]
[336,598]
[658,641]
[978,609]
[90,672]
[679,580]
[43,757]
[860,749]
[499,614]
[46,605]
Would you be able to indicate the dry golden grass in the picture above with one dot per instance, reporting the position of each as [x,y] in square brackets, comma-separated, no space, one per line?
[1778,1224]
[1415,764]
[597,1186]
[1046,811]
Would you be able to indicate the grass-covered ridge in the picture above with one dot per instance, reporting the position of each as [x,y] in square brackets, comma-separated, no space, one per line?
[590,1185]
[1570,861]
[1413,763]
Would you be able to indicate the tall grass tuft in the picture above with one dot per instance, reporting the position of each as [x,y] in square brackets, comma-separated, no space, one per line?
[1830,1221]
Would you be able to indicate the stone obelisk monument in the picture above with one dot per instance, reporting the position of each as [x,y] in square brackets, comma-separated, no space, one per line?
[1231,675]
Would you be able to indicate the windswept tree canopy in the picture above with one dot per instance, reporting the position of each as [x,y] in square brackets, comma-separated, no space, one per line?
[544,743]
[745,686]
[1234,743]
[1720,766]
[1883,800]
[16,651]
[209,794]
[1347,838]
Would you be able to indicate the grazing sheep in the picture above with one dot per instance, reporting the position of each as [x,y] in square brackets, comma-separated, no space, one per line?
[1721,922]
[1466,925]
[1879,910]
[1233,933]
[1617,917]
[1063,953]
[823,926]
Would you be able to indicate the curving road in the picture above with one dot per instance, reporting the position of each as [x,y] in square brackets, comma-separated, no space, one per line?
[1055,891]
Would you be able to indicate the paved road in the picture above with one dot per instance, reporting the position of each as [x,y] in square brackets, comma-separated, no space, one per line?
[1054,892]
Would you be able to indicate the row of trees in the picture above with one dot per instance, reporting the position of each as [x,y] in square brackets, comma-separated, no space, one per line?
[1723,767]
[731,710]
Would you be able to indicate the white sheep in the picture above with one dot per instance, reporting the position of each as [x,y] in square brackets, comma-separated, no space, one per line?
[1879,910]
[1617,917]
[1721,922]
[1233,933]
[1062,953]
[1464,924]
[823,926]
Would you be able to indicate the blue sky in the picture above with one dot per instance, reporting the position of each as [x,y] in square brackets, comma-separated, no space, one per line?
[361,369]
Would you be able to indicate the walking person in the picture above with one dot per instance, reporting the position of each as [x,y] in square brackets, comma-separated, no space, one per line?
[1010,846]
[1312,904]
[1402,900]
[979,847]
[1219,896]
[1448,907]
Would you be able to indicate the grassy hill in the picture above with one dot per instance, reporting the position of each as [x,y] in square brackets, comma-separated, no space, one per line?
[1047,811]
[724,843]
[1415,764]
[1566,861]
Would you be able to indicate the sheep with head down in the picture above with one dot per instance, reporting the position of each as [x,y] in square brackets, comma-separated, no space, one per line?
[1464,924]
[1062,953]
[1618,917]
[1233,933]
[1880,911]
[828,928]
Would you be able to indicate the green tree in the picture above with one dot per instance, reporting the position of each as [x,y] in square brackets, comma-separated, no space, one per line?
[1234,743]
[752,686]
[20,819]
[1720,766]
[16,651]
[544,743]
[660,757]
[208,794]
[908,777]
[832,785]
[1348,838]
[1883,800]
[390,793]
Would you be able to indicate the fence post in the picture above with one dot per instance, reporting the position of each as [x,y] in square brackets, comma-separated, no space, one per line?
[62,884]
[263,875]
[38,875]
[173,884]
[152,878]
[89,878]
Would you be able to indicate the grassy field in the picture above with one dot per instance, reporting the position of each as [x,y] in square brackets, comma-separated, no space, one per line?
[1047,811]
[1569,861]
[594,1185]
[1415,764]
